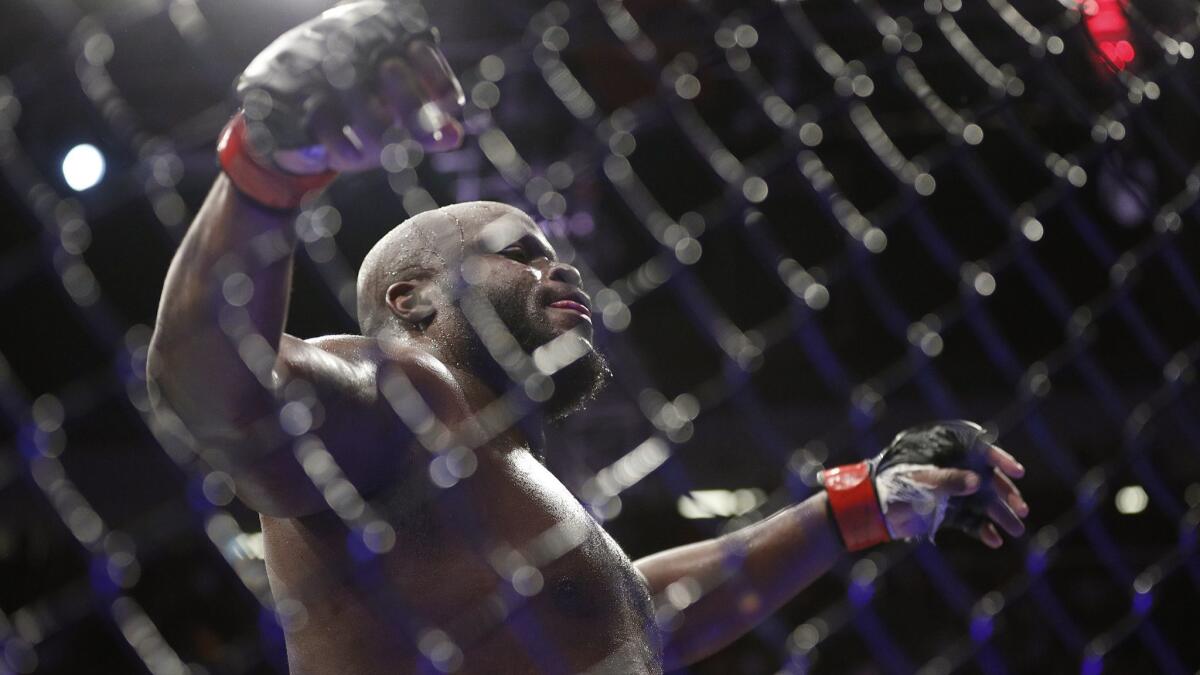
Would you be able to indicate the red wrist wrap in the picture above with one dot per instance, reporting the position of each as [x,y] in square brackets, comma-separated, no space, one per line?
[267,186]
[855,506]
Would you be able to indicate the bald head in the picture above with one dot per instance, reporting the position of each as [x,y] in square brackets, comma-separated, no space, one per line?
[426,246]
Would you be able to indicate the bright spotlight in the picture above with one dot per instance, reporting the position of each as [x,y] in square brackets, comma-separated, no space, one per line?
[83,167]
[1132,499]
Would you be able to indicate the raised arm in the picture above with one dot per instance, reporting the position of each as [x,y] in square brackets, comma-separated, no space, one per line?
[927,476]
[219,359]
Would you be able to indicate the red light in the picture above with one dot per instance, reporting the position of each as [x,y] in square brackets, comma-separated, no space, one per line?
[1106,23]
[1125,51]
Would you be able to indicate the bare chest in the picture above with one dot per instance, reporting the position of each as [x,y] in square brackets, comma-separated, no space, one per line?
[504,571]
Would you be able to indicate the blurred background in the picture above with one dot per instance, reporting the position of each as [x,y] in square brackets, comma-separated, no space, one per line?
[806,225]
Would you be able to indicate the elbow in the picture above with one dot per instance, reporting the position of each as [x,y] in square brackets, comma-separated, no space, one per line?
[158,384]
[183,382]
[166,388]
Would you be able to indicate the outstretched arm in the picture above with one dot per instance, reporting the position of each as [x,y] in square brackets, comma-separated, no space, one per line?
[725,586]
[721,588]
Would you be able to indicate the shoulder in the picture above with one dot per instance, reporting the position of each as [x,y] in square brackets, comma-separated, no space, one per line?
[398,371]
[384,355]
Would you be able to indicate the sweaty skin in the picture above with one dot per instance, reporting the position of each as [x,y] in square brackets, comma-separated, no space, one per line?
[494,566]
[501,572]
[585,606]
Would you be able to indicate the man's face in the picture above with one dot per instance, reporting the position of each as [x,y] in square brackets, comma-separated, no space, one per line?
[508,263]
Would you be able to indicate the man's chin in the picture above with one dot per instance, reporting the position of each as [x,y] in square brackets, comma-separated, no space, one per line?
[576,385]
[562,347]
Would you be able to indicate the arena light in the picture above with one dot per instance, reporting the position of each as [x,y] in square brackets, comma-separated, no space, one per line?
[246,546]
[701,504]
[1106,22]
[83,167]
[1132,499]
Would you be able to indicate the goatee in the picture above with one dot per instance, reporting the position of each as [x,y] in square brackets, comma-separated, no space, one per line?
[577,384]
[579,372]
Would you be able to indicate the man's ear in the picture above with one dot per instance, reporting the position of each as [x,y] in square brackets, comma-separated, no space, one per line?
[413,302]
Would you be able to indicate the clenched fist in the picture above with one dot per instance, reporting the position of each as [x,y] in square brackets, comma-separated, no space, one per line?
[322,95]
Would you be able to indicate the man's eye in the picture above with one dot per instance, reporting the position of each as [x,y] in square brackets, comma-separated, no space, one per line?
[515,253]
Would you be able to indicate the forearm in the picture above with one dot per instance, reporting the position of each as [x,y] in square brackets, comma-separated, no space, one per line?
[744,577]
[198,357]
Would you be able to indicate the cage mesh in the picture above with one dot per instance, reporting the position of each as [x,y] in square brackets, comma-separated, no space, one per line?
[805,225]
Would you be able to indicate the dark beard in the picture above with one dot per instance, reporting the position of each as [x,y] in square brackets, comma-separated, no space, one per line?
[575,385]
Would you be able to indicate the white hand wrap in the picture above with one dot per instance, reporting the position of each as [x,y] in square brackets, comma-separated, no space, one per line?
[925,511]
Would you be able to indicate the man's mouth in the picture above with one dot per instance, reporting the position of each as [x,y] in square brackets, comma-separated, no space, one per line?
[573,306]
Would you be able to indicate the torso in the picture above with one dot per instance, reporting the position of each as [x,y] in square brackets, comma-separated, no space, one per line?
[504,572]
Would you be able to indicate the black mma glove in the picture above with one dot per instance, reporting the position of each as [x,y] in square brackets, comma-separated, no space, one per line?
[945,473]
[320,97]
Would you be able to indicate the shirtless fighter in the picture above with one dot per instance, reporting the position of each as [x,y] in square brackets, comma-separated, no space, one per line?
[409,523]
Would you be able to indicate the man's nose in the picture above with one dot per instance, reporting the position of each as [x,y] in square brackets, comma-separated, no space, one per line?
[566,274]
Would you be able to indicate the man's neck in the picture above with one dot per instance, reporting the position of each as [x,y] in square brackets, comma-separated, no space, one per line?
[502,409]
